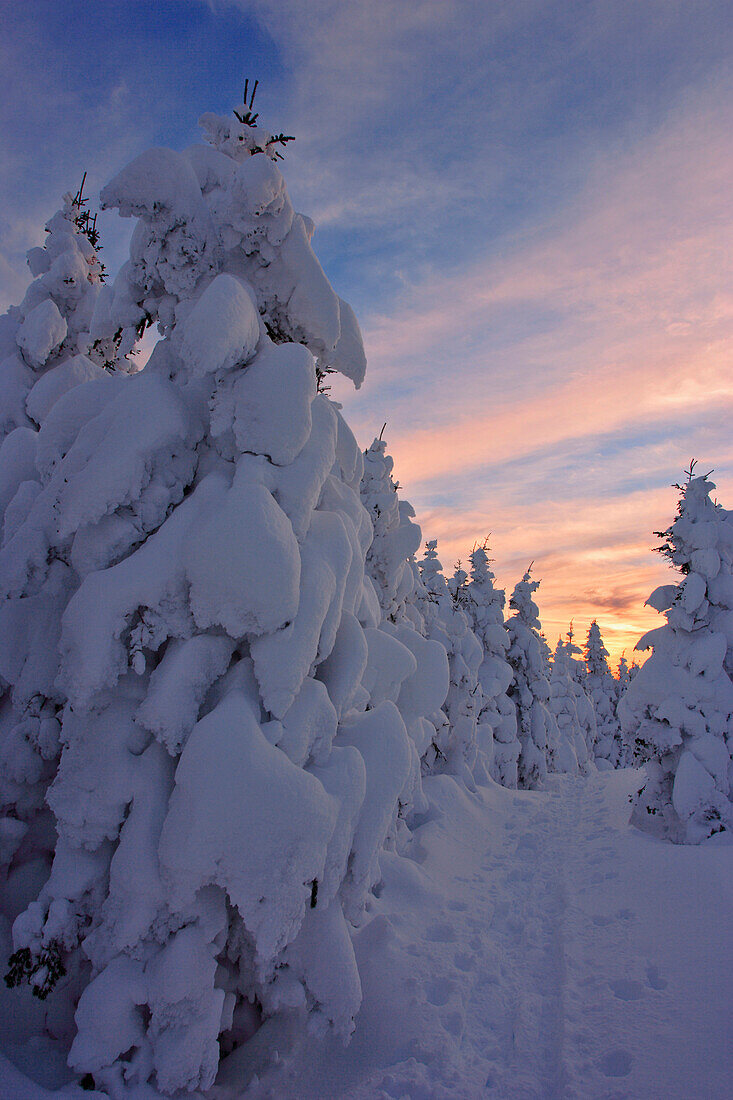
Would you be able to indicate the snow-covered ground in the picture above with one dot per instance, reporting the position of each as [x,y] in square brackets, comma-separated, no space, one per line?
[533,945]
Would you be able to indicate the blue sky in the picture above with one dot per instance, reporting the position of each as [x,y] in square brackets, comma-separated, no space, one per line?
[527,203]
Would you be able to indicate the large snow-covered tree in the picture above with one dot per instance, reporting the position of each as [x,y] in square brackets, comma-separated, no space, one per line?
[678,709]
[530,689]
[187,590]
[497,718]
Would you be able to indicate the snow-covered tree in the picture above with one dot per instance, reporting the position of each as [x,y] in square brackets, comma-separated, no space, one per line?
[395,578]
[497,719]
[569,753]
[602,688]
[396,537]
[45,343]
[583,700]
[623,677]
[678,709]
[51,325]
[529,690]
[622,681]
[46,352]
[455,746]
[187,588]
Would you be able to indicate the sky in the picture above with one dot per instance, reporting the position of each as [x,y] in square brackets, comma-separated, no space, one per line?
[528,204]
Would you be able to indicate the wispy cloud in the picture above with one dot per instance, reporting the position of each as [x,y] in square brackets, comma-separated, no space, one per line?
[577,373]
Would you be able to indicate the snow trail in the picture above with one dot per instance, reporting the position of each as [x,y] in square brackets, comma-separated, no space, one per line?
[534,947]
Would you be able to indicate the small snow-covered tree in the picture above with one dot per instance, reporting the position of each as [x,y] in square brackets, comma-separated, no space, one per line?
[51,328]
[529,690]
[678,709]
[623,677]
[396,537]
[569,753]
[193,573]
[497,718]
[454,747]
[602,688]
[596,654]
[395,578]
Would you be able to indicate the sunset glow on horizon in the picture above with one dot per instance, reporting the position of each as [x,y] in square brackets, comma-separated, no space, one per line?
[528,208]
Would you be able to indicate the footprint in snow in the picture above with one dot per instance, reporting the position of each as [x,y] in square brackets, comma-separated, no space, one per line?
[464,961]
[656,981]
[441,933]
[617,1063]
[627,990]
[453,1023]
[601,920]
[438,991]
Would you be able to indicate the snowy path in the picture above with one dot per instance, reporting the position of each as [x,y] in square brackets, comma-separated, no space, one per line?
[534,947]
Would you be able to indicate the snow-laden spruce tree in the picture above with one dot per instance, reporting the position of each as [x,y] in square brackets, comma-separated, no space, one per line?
[569,752]
[454,748]
[392,571]
[602,688]
[46,353]
[497,719]
[529,689]
[232,758]
[622,680]
[623,676]
[678,709]
[50,330]
[45,343]
[583,700]
[396,537]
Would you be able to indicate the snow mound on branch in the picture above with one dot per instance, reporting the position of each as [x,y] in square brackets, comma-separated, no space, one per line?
[70,412]
[238,804]
[16,379]
[222,329]
[272,403]
[179,684]
[381,739]
[283,659]
[150,582]
[41,333]
[223,558]
[158,181]
[348,357]
[54,384]
[17,463]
